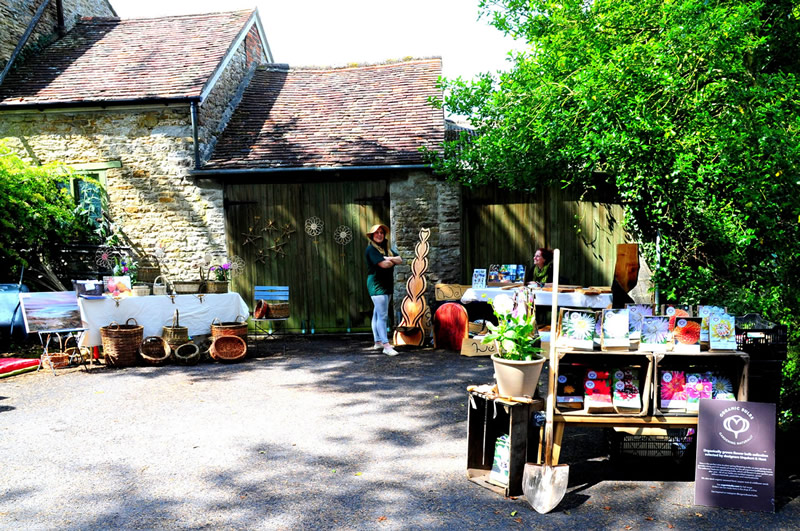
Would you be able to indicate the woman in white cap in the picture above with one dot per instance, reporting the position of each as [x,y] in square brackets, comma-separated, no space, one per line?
[380,261]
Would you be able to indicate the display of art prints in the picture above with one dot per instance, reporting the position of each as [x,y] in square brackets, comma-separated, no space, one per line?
[615,329]
[655,335]
[494,273]
[50,310]
[576,328]
[520,273]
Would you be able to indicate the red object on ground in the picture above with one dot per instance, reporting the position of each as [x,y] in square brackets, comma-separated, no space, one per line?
[12,366]
[450,325]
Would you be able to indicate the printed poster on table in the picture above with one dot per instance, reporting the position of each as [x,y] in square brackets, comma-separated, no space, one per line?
[735,466]
[479,279]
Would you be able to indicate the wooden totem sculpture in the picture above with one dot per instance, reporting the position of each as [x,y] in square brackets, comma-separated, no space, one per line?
[412,328]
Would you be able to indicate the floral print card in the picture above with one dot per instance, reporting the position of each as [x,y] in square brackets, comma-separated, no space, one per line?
[705,311]
[626,397]
[687,335]
[673,390]
[698,387]
[655,334]
[615,329]
[673,311]
[635,314]
[722,388]
[569,389]
[577,328]
[722,332]
[597,391]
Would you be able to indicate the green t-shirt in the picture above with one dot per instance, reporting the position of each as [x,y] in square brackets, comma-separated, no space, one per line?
[379,279]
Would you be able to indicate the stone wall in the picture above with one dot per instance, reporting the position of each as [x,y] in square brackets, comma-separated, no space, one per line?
[421,201]
[15,15]
[217,109]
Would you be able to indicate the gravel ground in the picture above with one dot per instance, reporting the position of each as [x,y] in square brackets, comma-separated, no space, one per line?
[328,436]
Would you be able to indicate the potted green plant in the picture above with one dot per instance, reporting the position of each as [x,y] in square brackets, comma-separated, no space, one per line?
[518,361]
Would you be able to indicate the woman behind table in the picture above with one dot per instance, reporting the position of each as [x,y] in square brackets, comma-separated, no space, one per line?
[380,261]
[542,270]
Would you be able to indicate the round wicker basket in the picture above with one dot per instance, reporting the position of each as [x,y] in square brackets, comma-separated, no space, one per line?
[121,343]
[187,354]
[228,348]
[154,351]
[231,328]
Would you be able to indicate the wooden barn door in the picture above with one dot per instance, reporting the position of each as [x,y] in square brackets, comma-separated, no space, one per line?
[310,237]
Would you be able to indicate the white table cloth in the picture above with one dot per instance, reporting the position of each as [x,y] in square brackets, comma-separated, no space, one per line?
[543,298]
[153,312]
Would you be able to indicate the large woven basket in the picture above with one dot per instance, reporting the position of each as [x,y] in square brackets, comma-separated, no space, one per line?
[228,348]
[175,335]
[183,287]
[154,351]
[121,343]
[159,288]
[187,354]
[231,328]
[277,310]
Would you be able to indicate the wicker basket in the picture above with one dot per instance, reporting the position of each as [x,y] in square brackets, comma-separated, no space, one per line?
[228,348]
[176,334]
[276,310]
[216,286]
[141,290]
[154,351]
[232,328]
[121,343]
[160,288]
[147,274]
[184,287]
[187,354]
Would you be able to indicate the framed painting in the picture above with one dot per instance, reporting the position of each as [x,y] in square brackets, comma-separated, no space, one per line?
[48,311]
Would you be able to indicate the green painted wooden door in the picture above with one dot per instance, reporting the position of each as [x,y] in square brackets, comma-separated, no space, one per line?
[310,237]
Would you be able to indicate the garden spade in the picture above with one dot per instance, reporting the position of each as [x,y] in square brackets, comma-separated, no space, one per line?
[544,485]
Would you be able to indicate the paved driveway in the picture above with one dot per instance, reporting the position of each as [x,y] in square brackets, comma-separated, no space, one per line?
[328,436]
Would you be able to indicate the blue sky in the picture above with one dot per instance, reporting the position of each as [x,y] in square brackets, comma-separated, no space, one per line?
[327,33]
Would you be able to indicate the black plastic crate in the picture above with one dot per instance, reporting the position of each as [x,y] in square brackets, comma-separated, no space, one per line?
[676,444]
[763,343]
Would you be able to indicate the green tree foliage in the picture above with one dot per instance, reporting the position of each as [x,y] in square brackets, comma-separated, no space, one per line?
[688,110]
[37,214]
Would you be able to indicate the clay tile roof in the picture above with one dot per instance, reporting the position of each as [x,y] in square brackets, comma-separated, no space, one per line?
[360,116]
[106,60]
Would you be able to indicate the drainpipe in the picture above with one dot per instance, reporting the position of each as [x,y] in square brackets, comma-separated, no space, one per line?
[195,135]
[24,39]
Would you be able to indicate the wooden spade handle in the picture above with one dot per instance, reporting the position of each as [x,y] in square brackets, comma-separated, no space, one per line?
[551,379]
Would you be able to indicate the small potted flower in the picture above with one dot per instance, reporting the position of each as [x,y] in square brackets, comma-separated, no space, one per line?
[518,361]
[218,277]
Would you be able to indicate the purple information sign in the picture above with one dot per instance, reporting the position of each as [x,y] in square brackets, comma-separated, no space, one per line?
[735,455]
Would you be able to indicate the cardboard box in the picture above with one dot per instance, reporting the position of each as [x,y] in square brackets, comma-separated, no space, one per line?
[472,346]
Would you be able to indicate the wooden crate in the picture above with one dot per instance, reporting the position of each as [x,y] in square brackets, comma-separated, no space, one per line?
[488,420]
[609,361]
[734,364]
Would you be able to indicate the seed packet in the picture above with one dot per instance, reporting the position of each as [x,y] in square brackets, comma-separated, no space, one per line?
[576,328]
[655,335]
[615,330]
[673,390]
[722,332]
[635,314]
[686,335]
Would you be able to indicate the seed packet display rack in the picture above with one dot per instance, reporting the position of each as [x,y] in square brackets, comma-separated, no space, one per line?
[650,415]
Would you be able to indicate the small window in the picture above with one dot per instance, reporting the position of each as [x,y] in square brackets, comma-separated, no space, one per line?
[88,194]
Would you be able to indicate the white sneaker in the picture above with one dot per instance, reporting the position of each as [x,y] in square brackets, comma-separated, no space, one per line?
[376,346]
[389,351]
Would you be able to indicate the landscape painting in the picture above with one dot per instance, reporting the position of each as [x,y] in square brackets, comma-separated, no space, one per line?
[50,310]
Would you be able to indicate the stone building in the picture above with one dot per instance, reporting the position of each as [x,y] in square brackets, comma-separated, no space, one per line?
[154,108]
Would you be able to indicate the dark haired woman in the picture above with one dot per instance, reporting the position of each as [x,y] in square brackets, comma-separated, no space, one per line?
[542,270]
[380,261]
